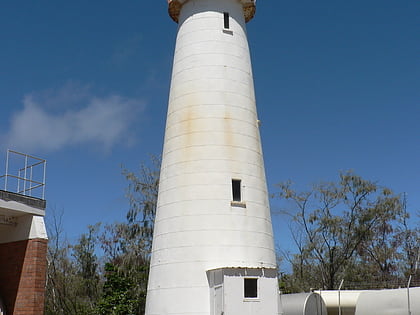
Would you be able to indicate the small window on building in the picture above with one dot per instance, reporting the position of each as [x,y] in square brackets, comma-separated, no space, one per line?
[250,288]
[236,189]
[226,20]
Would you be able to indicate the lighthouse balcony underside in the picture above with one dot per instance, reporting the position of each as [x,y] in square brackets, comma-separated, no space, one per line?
[174,8]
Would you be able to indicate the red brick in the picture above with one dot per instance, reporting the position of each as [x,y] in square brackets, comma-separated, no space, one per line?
[23,267]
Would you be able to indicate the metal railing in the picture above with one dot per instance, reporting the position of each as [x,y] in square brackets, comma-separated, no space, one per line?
[25,176]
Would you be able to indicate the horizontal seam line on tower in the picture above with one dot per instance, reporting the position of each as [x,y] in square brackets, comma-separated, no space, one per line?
[184,33]
[239,262]
[195,200]
[257,165]
[214,160]
[218,78]
[212,66]
[185,59]
[212,106]
[247,72]
[213,246]
[180,38]
[180,55]
[180,287]
[212,145]
[216,245]
[230,89]
[252,99]
[248,187]
[207,185]
[179,135]
[250,202]
[212,229]
[247,121]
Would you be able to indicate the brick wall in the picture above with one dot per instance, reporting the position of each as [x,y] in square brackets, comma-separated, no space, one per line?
[23,267]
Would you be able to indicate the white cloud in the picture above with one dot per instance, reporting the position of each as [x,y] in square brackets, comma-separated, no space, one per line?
[98,121]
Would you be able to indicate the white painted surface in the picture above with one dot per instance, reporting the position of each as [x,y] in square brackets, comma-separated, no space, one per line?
[27,227]
[236,304]
[227,291]
[346,299]
[14,208]
[211,137]
[388,302]
[303,304]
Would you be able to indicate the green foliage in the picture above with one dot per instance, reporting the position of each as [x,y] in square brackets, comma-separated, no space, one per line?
[118,295]
[86,263]
[127,245]
[73,283]
[126,271]
[142,194]
[76,285]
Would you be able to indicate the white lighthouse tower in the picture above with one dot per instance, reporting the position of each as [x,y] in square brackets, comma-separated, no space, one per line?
[213,250]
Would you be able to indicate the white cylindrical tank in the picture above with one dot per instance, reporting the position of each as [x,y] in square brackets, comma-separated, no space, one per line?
[302,304]
[389,302]
[213,209]
[340,302]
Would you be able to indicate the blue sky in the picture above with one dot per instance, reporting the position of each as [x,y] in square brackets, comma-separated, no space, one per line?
[84,84]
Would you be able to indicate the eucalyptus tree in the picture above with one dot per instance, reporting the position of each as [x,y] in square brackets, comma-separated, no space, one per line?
[73,277]
[127,245]
[337,220]
[79,282]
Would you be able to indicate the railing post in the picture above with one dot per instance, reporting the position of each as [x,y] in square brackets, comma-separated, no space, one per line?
[408,295]
[24,176]
[19,176]
[7,170]
[44,180]
[30,181]
[25,183]
[339,296]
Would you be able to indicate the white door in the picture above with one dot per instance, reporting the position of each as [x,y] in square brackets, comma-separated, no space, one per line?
[218,300]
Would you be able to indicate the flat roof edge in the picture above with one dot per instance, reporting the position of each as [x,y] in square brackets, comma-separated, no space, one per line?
[27,200]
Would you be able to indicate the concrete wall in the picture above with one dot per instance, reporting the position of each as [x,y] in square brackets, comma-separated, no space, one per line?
[227,291]
[27,227]
[236,304]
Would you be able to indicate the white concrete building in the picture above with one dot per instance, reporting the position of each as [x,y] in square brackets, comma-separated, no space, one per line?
[213,249]
[23,236]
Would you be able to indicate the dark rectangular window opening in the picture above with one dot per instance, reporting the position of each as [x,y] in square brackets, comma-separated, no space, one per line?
[250,288]
[226,20]
[236,189]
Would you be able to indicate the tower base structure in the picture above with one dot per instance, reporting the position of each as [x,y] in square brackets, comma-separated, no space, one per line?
[235,291]
[23,250]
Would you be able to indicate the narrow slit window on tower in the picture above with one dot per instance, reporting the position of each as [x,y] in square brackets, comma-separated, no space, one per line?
[236,190]
[226,20]
[250,288]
